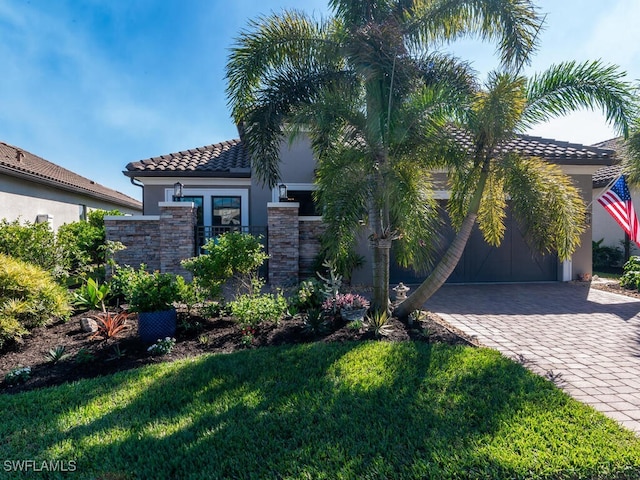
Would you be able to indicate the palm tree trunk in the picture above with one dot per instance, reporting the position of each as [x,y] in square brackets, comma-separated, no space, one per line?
[443,270]
[451,258]
[380,249]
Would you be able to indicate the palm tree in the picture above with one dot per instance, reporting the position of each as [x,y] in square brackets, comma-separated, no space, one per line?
[364,88]
[484,175]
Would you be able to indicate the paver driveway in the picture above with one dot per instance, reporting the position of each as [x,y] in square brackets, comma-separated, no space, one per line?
[589,340]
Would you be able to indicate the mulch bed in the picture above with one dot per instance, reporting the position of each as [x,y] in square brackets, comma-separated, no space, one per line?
[195,336]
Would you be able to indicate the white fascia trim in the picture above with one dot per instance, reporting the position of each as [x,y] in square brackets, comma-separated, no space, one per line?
[200,181]
[207,193]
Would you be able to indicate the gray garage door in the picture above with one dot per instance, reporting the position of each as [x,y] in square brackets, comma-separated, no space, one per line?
[512,261]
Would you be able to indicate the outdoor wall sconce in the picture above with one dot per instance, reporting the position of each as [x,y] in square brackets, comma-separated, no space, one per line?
[282,192]
[177,192]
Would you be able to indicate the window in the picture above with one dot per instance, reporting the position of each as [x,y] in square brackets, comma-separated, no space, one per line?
[308,207]
[226,211]
[82,212]
[198,201]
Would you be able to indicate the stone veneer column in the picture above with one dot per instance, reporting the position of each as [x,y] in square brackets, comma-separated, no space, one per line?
[177,235]
[284,242]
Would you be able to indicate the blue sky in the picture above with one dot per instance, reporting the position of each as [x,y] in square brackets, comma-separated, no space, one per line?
[94,84]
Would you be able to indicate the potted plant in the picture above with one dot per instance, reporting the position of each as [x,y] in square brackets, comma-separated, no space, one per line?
[351,306]
[152,296]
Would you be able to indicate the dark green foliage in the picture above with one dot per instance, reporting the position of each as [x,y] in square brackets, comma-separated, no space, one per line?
[315,322]
[34,243]
[309,295]
[631,277]
[91,295]
[56,354]
[29,297]
[83,242]
[251,309]
[231,255]
[152,292]
[605,256]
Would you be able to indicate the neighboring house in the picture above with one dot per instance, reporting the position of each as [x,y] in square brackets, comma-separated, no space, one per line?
[218,179]
[604,227]
[36,190]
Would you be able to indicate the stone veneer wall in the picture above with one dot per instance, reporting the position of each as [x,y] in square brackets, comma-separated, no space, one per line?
[158,241]
[284,242]
[310,232]
[162,241]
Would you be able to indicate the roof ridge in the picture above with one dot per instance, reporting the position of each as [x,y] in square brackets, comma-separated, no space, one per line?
[46,170]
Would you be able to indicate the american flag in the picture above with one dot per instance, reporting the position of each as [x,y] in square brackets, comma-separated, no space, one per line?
[617,201]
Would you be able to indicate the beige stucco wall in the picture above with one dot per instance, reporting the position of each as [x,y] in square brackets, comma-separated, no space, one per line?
[20,199]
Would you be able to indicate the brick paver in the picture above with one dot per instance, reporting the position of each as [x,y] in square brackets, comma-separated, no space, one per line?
[586,339]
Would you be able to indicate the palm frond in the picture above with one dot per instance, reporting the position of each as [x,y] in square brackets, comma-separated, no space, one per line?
[492,212]
[289,38]
[546,203]
[632,157]
[514,23]
[571,86]
[342,195]
[415,214]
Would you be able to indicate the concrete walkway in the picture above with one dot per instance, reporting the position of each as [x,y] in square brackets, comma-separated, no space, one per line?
[587,341]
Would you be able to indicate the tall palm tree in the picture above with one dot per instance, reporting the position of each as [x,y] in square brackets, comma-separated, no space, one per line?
[364,88]
[485,174]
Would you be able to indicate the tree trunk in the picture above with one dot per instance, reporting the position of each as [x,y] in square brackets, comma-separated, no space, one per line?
[380,249]
[443,270]
[452,256]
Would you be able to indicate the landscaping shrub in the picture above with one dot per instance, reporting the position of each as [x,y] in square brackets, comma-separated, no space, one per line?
[34,243]
[232,255]
[308,296]
[153,292]
[605,256]
[83,243]
[29,297]
[631,276]
[251,309]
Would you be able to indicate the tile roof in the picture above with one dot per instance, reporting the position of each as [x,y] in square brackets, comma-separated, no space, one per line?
[225,159]
[605,175]
[231,158]
[564,153]
[17,162]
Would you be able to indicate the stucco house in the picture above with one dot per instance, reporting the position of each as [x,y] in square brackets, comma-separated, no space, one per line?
[217,180]
[36,190]
[605,228]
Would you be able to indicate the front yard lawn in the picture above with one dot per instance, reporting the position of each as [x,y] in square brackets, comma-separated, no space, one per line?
[319,410]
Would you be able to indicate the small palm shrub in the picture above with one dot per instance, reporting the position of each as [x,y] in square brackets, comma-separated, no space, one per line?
[29,297]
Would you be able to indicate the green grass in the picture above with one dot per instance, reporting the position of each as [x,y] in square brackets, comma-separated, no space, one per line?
[330,411]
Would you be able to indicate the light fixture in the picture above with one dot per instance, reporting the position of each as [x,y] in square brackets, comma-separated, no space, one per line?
[177,191]
[282,192]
